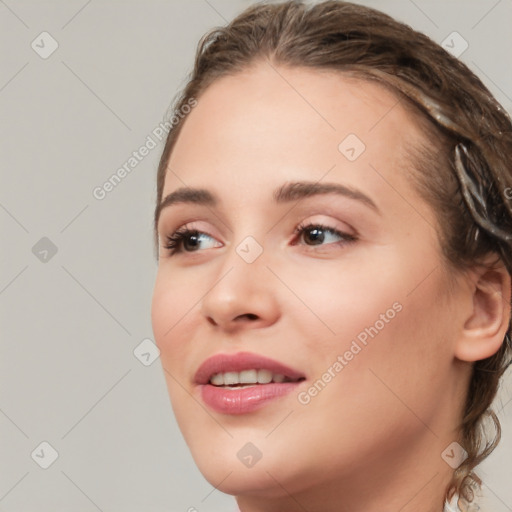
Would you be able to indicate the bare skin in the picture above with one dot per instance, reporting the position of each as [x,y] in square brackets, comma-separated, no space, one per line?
[371,440]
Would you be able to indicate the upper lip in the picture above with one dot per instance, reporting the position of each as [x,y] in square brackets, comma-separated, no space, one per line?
[221,363]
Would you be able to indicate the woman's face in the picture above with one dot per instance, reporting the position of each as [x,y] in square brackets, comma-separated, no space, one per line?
[356,304]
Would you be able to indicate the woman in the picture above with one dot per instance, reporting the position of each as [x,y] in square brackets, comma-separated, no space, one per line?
[334,227]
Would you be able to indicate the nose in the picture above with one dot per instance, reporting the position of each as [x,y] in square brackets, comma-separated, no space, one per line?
[242,295]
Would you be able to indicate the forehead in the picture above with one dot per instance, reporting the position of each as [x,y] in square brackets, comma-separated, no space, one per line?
[266,121]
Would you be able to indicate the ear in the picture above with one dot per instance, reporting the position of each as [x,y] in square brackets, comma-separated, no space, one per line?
[488,320]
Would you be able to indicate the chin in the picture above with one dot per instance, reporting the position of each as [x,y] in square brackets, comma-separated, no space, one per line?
[238,466]
[234,478]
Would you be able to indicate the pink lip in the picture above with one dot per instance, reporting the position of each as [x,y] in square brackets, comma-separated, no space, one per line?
[244,400]
[238,362]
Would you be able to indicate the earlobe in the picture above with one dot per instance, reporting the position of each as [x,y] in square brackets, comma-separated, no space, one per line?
[485,327]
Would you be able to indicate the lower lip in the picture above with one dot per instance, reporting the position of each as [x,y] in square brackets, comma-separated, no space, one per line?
[243,400]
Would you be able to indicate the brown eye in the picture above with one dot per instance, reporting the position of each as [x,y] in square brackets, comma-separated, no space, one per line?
[186,240]
[316,234]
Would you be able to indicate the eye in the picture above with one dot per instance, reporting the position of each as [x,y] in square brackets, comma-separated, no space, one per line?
[318,233]
[186,240]
[189,240]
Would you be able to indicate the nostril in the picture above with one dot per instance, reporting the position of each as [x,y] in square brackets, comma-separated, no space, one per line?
[250,316]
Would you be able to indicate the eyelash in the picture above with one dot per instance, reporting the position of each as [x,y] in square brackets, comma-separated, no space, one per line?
[174,241]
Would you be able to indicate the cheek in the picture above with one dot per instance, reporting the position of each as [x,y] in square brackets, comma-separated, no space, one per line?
[333,306]
[385,389]
[171,303]
[389,321]
[403,360]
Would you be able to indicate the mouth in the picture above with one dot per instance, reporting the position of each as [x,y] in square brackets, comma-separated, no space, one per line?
[248,378]
[243,382]
[244,368]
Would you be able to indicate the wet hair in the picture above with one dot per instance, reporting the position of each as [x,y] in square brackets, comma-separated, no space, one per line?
[462,168]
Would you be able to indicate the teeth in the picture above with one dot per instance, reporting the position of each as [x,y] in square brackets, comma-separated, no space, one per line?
[264,376]
[217,379]
[231,378]
[247,377]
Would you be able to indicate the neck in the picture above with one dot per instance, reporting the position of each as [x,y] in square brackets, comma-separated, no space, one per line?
[412,480]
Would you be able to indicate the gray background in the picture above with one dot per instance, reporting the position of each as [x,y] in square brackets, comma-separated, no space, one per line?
[71,322]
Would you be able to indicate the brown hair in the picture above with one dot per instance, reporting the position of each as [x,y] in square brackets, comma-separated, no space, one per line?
[464,173]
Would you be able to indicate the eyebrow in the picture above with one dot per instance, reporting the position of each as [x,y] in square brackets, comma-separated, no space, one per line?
[288,192]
